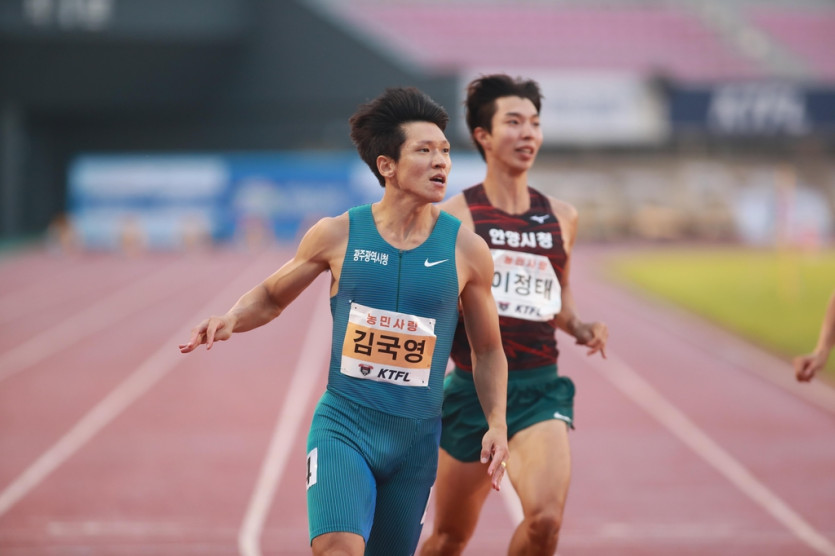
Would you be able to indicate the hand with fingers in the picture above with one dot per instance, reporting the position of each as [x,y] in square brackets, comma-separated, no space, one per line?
[213,329]
[807,366]
[495,452]
[594,336]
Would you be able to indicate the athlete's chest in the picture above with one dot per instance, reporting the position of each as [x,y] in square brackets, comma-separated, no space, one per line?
[537,231]
[400,280]
[528,261]
[383,263]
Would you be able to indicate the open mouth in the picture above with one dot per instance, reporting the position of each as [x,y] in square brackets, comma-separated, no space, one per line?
[439,179]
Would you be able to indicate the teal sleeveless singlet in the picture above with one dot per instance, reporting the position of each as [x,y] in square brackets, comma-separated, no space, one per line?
[391,307]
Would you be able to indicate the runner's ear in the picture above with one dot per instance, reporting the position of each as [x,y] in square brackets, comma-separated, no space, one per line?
[386,166]
[482,136]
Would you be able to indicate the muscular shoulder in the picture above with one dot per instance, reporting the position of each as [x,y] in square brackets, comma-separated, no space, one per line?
[473,258]
[326,240]
[457,207]
[568,216]
[565,211]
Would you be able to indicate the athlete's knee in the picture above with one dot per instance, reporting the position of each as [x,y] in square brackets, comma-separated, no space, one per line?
[338,544]
[336,550]
[443,544]
[544,528]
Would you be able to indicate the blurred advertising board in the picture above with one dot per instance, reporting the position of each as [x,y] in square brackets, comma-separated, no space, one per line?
[167,199]
[753,109]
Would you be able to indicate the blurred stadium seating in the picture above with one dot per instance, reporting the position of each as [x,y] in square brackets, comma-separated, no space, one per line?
[805,31]
[641,38]
[685,40]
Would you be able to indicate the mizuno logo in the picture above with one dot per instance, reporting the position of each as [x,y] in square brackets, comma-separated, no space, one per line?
[541,217]
[427,264]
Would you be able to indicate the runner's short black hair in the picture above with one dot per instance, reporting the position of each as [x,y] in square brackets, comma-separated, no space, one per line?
[483,92]
[377,125]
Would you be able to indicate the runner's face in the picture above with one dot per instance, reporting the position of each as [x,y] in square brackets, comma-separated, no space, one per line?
[516,136]
[424,161]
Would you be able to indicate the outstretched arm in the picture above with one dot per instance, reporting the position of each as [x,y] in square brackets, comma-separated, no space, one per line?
[481,320]
[807,366]
[317,252]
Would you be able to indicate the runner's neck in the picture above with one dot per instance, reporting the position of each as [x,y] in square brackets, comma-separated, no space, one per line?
[508,193]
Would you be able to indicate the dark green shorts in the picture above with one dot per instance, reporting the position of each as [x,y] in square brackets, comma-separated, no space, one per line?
[532,397]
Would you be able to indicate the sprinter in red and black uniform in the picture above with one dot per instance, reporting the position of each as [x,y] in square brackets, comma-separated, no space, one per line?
[529,341]
[530,236]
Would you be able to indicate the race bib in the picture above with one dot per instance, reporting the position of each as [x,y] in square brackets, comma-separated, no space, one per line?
[525,286]
[387,346]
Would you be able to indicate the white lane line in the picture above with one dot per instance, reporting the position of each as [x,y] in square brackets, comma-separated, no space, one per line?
[314,359]
[643,394]
[88,321]
[128,391]
[731,348]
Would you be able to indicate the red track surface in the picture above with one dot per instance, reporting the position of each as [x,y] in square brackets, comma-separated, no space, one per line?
[688,440]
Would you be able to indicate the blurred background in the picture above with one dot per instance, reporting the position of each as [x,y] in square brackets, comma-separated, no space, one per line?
[169,124]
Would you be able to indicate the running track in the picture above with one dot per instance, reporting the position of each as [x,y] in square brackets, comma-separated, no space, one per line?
[688,440]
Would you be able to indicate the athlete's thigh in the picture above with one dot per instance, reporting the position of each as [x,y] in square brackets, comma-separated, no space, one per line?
[540,465]
[402,497]
[460,491]
[341,490]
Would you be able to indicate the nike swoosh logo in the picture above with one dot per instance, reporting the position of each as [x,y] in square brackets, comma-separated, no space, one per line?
[427,264]
[540,218]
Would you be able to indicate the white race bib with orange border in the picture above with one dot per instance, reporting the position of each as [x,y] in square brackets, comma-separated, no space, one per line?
[387,346]
[525,285]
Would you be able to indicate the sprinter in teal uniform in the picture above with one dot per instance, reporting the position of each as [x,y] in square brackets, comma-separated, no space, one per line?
[399,270]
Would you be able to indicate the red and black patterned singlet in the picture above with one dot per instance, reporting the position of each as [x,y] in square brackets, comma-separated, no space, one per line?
[527,343]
